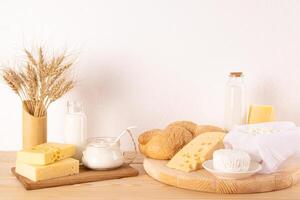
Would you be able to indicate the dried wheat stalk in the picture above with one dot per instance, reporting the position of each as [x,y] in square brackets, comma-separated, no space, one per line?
[41,82]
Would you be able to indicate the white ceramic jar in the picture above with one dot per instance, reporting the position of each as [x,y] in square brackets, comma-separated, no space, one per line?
[103,153]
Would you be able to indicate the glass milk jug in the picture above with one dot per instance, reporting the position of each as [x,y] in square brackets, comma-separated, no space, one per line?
[103,153]
[235,101]
[76,127]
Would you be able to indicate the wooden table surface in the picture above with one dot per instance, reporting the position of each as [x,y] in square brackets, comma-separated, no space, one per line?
[140,187]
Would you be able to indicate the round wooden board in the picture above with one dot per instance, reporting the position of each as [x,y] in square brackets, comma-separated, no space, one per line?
[202,180]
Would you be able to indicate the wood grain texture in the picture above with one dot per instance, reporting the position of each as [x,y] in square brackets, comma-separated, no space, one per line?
[204,181]
[85,175]
[133,188]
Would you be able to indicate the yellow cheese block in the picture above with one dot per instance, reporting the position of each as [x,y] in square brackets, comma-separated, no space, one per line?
[260,113]
[60,168]
[200,149]
[46,153]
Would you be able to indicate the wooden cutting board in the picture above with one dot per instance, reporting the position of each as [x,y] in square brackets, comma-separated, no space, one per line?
[202,180]
[85,175]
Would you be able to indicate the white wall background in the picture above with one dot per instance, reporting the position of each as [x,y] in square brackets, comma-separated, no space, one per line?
[147,63]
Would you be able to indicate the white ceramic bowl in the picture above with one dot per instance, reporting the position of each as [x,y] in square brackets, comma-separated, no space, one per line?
[254,168]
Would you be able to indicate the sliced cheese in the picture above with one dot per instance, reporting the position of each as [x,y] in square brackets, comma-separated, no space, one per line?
[200,149]
[46,153]
[260,113]
[61,168]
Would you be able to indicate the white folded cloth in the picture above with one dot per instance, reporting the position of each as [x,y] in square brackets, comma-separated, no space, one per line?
[269,143]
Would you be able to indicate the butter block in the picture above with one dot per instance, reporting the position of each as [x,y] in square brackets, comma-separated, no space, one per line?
[69,166]
[46,153]
[260,114]
[200,149]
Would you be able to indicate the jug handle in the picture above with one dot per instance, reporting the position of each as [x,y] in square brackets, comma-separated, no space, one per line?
[130,160]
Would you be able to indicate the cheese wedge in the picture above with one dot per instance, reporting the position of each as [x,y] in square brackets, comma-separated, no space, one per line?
[61,168]
[260,113]
[200,149]
[46,153]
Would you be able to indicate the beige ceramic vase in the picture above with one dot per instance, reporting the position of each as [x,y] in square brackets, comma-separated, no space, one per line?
[34,129]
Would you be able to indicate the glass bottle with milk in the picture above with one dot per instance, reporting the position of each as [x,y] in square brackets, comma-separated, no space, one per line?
[76,127]
[235,101]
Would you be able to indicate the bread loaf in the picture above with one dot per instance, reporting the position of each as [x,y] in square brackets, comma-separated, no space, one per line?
[164,144]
